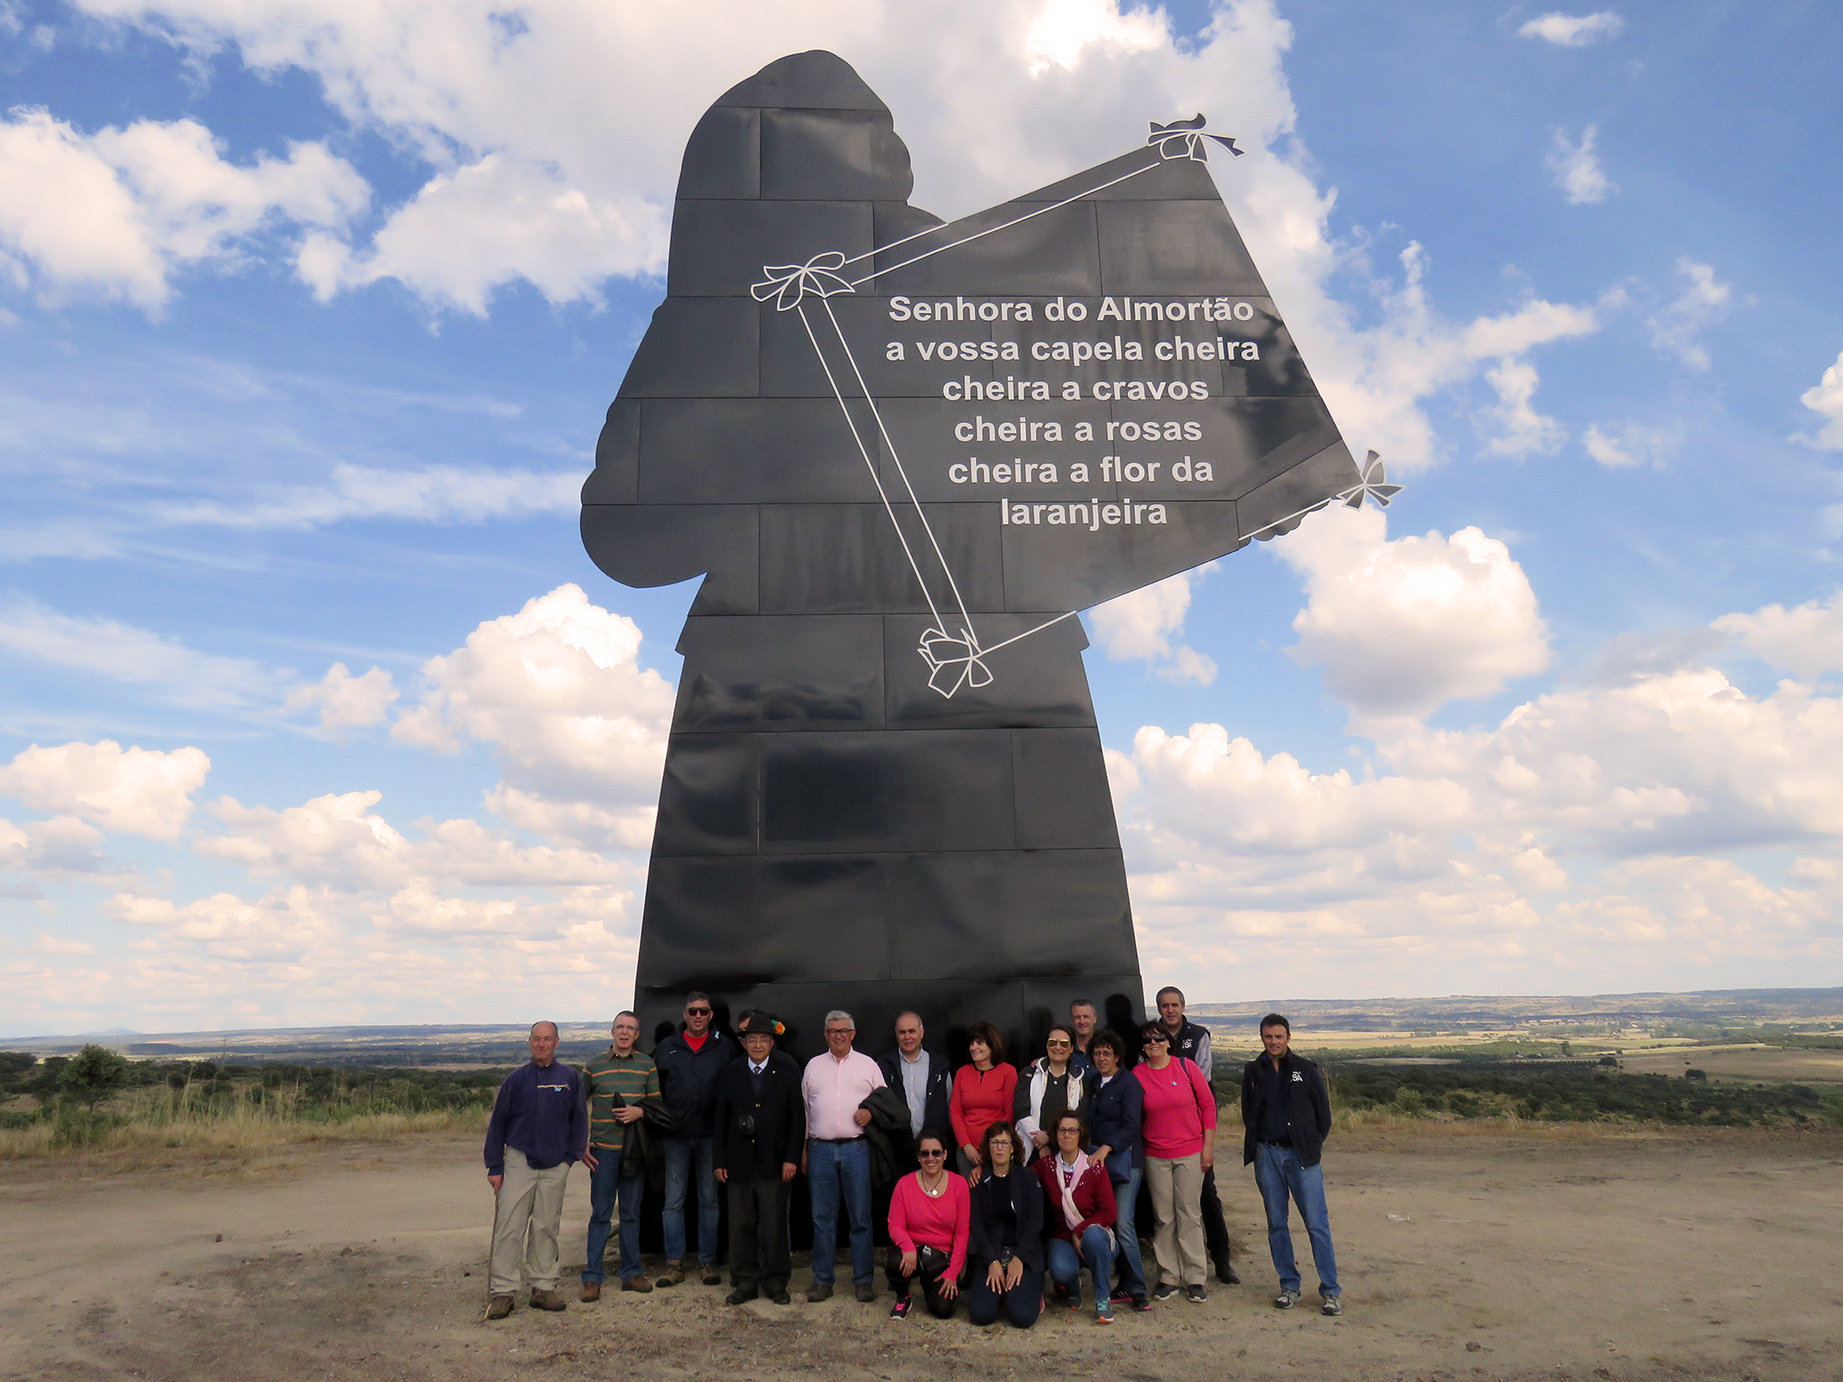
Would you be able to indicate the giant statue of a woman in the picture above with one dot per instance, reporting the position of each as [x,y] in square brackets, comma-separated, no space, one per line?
[900,453]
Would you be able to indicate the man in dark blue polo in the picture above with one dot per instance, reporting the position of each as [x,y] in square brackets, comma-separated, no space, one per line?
[689,1062]
[539,1128]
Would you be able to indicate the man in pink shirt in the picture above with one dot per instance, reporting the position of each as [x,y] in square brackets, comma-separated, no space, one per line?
[837,1157]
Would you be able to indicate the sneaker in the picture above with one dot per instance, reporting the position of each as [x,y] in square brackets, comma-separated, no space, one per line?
[1195,1295]
[1164,1292]
[900,1310]
[499,1307]
[637,1283]
[867,1292]
[1122,1296]
[1061,1292]
[742,1295]
[1332,1306]
[818,1291]
[674,1273]
[1142,1303]
[548,1300]
[591,1291]
[1103,1313]
[712,1277]
[1075,1299]
[1285,1300]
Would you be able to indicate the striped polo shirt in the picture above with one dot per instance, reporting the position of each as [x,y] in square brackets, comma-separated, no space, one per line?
[633,1077]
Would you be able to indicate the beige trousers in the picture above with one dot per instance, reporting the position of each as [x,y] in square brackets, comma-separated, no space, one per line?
[1176,1188]
[526,1216]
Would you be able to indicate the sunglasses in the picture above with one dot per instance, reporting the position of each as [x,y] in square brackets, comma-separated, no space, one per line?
[697,1012]
[1157,1041]
[924,1152]
[1058,1043]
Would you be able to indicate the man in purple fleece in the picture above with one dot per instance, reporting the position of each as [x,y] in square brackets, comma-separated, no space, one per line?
[538,1128]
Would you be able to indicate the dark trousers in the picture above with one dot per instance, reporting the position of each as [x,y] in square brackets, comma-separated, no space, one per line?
[1022,1303]
[1215,1232]
[939,1306]
[758,1224]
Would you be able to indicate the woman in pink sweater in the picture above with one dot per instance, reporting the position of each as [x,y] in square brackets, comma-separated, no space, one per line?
[929,1217]
[1178,1129]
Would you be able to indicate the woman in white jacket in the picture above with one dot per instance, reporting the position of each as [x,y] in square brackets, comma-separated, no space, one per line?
[1045,1088]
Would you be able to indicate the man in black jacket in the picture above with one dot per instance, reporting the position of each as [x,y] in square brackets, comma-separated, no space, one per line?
[760,1122]
[922,1078]
[1286,1116]
[689,1062]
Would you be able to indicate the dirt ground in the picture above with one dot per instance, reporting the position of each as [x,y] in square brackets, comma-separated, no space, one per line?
[1557,1254]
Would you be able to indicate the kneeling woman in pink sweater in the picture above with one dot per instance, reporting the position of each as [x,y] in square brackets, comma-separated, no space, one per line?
[928,1225]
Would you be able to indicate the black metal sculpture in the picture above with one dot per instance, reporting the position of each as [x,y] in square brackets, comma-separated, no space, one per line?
[901,453]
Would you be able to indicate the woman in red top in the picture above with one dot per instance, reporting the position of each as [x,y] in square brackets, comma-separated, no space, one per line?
[1079,1215]
[930,1213]
[982,1093]
[1178,1128]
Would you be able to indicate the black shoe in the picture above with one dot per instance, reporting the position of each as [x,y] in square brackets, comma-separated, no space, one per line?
[818,1291]
[1142,1304]
[1164,1292]
[1226,1273]
[742,1295]
[1195,1295]
[779,1296]
[867,1292]
[900,1310]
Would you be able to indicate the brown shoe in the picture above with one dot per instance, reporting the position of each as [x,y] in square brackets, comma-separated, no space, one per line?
[638,1283]
[499,1307]
[591,1291]
[675,1273]
[548,1300]
[712,1277]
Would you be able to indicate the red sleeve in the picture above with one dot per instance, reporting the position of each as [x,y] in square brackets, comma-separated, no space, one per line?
[1103,1208]
[1007,1090]
[899,1215]
[1206,1097]
[962,1198]
[956,1108]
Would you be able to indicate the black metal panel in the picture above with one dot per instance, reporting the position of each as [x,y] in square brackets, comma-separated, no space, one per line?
[697,348]
[919,790]
[707,801]
[874,798]
[822,672]
[1063,800]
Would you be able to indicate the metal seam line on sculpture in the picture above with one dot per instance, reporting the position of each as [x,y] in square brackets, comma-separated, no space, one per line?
[801,279]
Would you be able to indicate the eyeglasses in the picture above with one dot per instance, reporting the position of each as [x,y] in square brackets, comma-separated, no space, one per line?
[840,1032]
[924,1152]
[697,1012]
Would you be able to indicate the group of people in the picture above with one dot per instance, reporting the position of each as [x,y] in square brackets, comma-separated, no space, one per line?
[1000,1180]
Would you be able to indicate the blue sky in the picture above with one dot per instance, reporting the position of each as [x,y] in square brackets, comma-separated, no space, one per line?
[309,313]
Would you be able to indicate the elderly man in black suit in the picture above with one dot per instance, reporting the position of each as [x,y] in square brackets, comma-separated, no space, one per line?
[760,1129]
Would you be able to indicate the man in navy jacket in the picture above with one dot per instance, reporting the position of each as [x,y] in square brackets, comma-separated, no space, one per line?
[1286,1115]
[689,1062]
[921,1076]
[538,1129]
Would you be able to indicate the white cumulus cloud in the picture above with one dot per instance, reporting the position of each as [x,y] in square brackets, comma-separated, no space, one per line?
[1577,170]
[1146,624]
[1574,30]
[1806,640]
[1402,626]
[115,214]
[134,791]
[345,701]
[1826,398]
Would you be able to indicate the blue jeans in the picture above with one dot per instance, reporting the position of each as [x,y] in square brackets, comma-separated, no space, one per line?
[606,1183]
[1065,1266]
[1278,1173]
[1126,1233]
[832,1167]
[678,1171]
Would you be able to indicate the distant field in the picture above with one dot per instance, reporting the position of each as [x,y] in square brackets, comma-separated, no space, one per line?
[1741,1063]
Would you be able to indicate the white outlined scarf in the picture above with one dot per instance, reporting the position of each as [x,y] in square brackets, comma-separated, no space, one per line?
[1070,1174]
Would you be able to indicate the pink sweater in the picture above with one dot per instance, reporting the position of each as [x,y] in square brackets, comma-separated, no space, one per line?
[943,1223]
[1179,1109]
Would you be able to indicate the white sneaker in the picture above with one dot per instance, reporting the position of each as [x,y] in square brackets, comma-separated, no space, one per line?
[1286,1300]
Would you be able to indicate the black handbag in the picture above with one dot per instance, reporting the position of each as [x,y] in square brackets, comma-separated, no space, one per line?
[931,1261]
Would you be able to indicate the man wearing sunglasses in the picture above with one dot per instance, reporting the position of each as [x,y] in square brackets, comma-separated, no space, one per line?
[689,1062]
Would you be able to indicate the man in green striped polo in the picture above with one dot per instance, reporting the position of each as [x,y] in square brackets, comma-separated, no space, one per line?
[616,1083]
